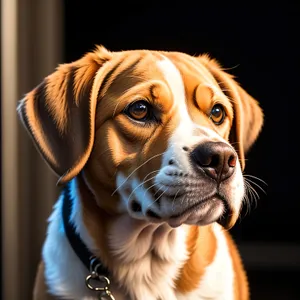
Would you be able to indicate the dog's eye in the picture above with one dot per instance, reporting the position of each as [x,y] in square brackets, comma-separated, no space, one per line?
[218,114]
[139,110]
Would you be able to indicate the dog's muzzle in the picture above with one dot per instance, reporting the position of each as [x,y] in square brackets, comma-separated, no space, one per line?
[216,159]
[194,187]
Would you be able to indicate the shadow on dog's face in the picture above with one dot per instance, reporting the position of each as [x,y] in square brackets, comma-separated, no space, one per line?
[158,135]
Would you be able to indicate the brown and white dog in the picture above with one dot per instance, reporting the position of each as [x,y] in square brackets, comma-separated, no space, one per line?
[153,146]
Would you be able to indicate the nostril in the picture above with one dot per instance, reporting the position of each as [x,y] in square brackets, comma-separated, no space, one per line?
[151,214]
[185,148]
[232,161]
[135,206]
[214,161]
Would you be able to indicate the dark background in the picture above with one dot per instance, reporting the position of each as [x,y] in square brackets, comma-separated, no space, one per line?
[260,44]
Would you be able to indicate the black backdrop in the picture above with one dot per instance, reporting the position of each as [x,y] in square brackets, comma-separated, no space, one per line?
[258,42]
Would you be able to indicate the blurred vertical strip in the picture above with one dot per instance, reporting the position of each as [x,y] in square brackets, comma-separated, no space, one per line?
[9,147]
[31,48]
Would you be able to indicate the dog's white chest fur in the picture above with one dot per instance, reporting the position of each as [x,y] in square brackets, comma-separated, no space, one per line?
[148,261]
[149,257]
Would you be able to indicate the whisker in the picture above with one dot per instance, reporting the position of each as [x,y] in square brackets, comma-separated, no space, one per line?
[161,195]
[252,189]
[254,197]
[150,174]
[150,187]
[157,198]
[256,184]
[253,193]
[230,68]
[255,177]
[157,191]
[154,156]
[142,183]
[173,201]
[250,196]
[247,201]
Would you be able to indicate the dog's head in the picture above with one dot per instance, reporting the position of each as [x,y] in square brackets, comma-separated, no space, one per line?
[161,136]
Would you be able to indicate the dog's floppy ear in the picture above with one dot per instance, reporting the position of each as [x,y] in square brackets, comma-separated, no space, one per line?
[59,114]
[248,116]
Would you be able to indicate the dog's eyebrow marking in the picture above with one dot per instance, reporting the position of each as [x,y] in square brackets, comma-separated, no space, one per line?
[198,68]
[106,79]
[124,78]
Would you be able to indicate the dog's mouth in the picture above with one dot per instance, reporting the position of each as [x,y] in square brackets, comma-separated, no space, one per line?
[203,212]
[197,204]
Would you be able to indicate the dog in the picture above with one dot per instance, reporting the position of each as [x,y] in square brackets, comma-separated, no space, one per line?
[150,148]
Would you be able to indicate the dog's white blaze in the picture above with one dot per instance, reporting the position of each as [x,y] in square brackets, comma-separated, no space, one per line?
[182,135]
[176,85]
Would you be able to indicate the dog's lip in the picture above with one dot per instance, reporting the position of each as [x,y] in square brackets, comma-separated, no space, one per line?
[177,220]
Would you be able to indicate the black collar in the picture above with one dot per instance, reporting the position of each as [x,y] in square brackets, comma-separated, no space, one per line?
[91,262]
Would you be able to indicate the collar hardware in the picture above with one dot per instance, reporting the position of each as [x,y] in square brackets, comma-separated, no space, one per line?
[103,291]
[97,272]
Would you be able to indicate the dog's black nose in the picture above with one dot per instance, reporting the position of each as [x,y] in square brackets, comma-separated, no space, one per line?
[216,159]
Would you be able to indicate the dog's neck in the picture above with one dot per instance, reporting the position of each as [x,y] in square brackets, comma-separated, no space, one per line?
[145,259]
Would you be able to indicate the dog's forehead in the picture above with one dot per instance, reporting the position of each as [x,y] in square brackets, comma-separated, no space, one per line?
[132,67]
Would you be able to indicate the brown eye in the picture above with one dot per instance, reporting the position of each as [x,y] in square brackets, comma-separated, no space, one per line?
[218,114]
[139,110]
